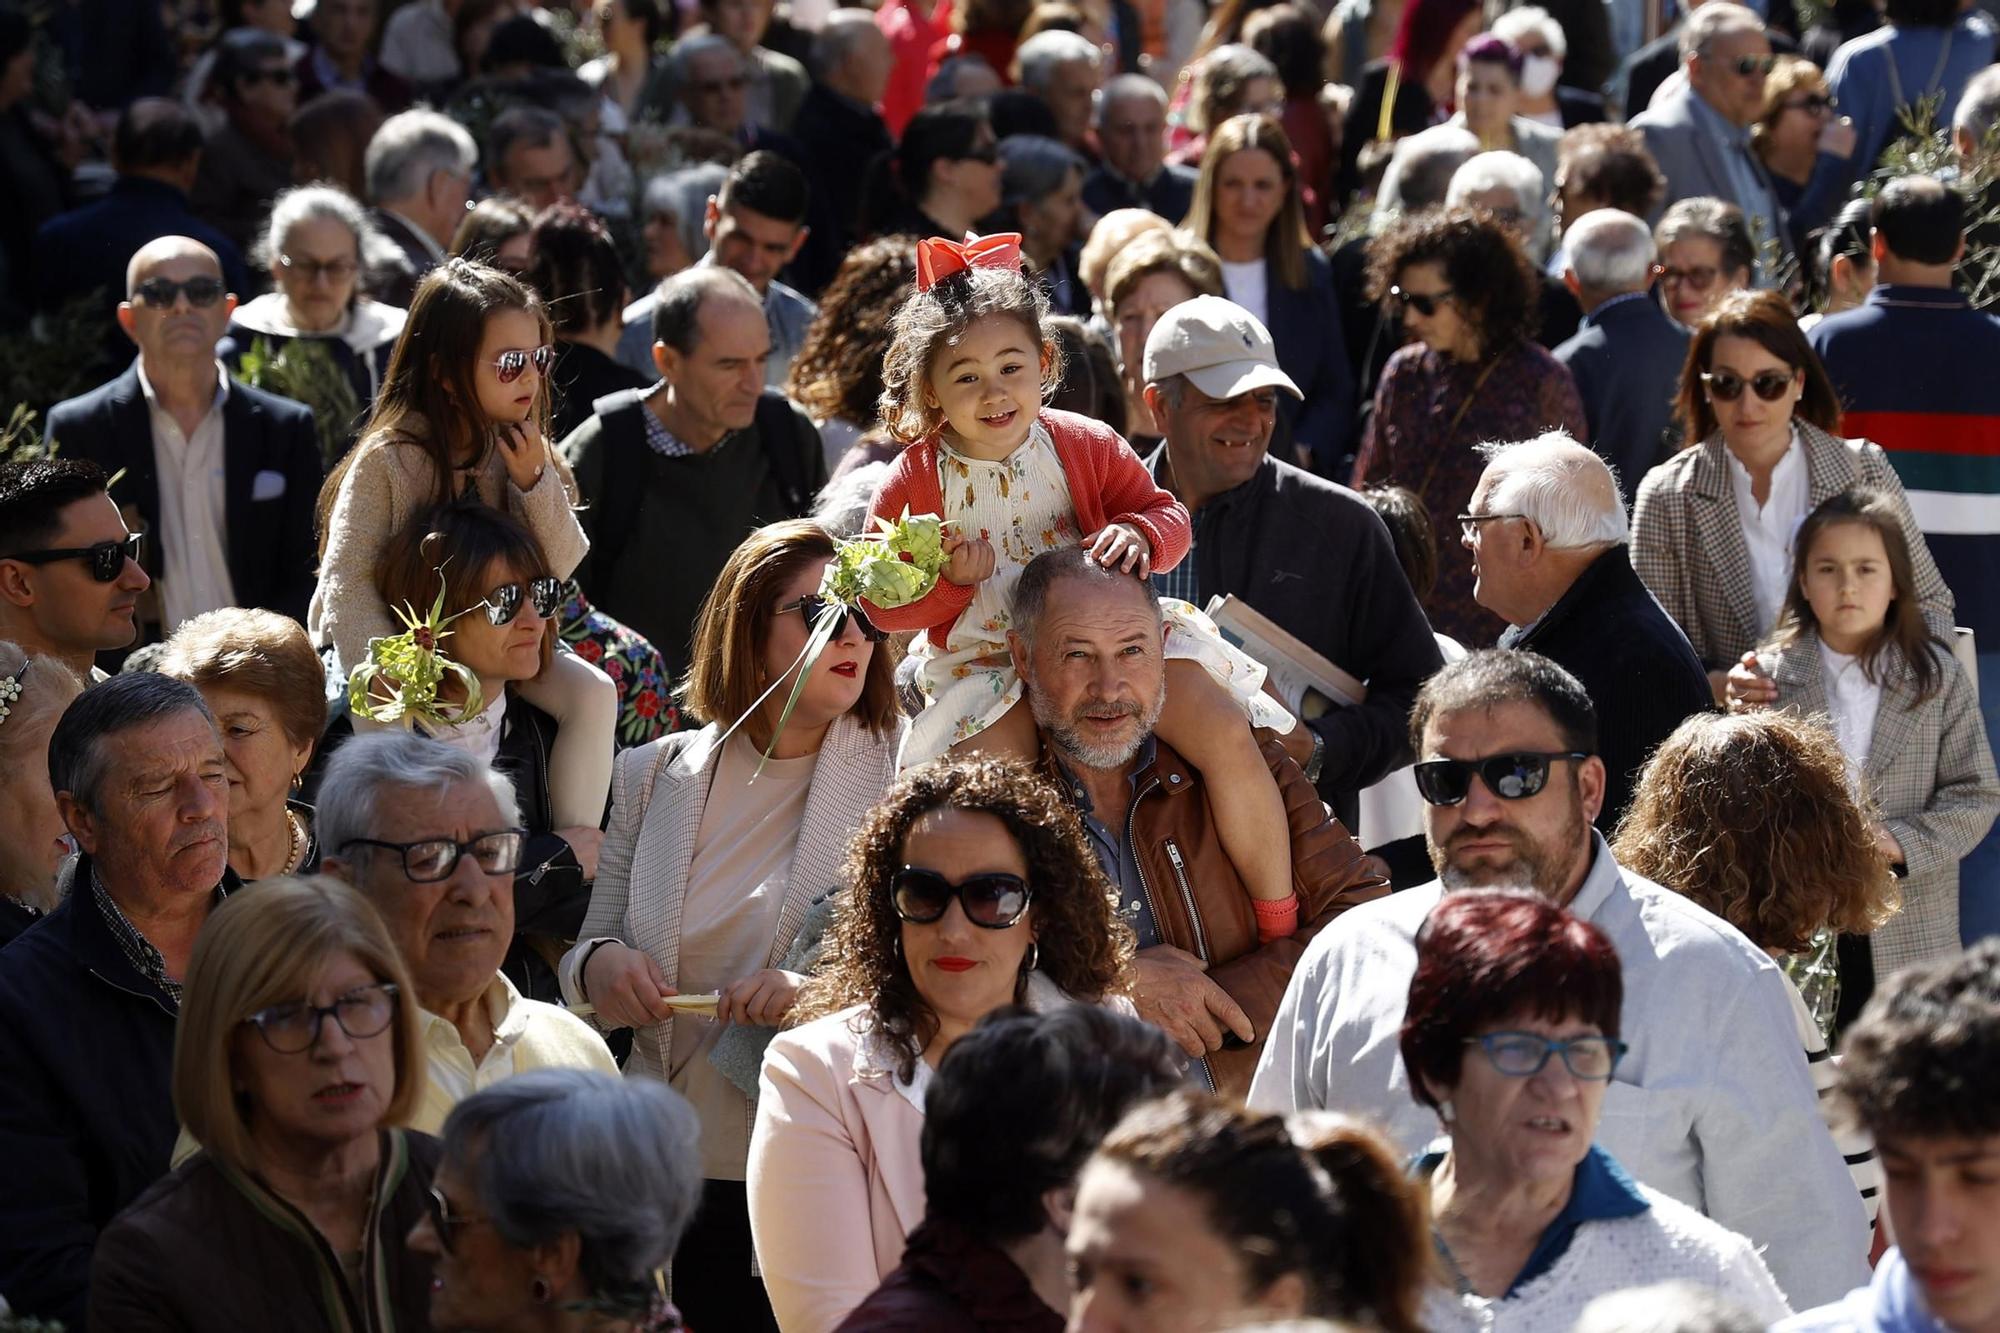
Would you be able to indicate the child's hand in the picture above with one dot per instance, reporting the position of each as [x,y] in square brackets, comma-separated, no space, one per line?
[526,453]
[1123,547]
[971,560]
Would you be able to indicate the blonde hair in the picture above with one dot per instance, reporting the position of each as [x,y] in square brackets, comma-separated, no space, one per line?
[1788,75]
[259,652]
[47,687]
[1288,237]
[265,946]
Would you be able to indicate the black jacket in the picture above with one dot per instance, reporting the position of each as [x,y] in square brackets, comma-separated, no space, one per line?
[86,1116]
[1626,361]
[1169,194]
[396,282]
[1631,658]
[1317,560]
[839,140]
[272,465]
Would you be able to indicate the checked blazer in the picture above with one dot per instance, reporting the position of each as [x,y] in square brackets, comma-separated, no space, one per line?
[1688,548]
[1931,776]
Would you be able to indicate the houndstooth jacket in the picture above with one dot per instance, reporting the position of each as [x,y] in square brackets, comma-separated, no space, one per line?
[1930,774]
[1687,539]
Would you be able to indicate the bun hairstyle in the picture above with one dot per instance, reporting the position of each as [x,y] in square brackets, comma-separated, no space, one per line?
[929,321]
[1320,1197]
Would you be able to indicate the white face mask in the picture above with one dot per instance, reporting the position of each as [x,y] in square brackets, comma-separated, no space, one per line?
[1538,75]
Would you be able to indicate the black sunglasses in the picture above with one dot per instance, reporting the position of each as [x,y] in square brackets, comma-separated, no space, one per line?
[161,293]
[1748,65]
[985,152]
[1511,777]
[434,859]
[812,604]
[107,559]
[504,603]
[289,1029]
[1770,385]
[510,364]
[1424,303]
[993,902]
[1812,102]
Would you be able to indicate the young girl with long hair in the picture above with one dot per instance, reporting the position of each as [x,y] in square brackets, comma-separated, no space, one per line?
[964,384]
[1852,643]
[461,412]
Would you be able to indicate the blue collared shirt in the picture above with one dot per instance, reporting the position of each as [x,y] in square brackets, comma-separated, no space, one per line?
[1760,206]
[1114,851]
[1599,1192]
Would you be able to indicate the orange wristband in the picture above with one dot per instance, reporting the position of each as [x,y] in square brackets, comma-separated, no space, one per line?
[1276,920]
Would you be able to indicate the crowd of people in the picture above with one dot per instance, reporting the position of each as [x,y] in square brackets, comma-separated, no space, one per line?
[1443,779]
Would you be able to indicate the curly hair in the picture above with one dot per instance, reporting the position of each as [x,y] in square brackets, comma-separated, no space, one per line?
[1081,944]
[838,372]
[1923,1060]
[928,322]
[1727,798]
[1489,274]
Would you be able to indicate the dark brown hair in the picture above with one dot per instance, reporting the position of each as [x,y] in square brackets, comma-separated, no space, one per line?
[1489,274]
[459,543]
[1766,319]
[1923,1061]
[838,371]
[1081,944]
[1288,238]
[930,321]
[1610,162]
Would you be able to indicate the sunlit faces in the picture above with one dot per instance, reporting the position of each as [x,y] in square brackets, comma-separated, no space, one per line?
[32,847]
[1249,193]
[180,330]
[1133,134]
[1072,86]
[1149,298]
[840,674]
[1215,444]
[1096,669]
[964,972]
[1749,425]
[335,1090]
[71,610]
[508,331]
[1943,1202]
[717,382]
[1849,584]
[163,800]
[988,384]
[1442,327]
[1693,280]
[317,272]
[260,760]
[1541,841]
[1729,75]
[751,243]
[498,654]
[1488,95]
[1534,1128]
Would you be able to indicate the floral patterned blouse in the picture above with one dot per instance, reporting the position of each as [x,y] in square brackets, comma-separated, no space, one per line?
[646,708]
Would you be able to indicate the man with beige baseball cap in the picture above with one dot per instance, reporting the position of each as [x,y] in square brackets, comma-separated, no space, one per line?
[1309,554]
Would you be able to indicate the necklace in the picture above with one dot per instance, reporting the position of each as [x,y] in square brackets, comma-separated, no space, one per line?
[295,837]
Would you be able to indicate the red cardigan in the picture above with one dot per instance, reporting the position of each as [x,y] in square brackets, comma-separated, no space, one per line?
[1107,483]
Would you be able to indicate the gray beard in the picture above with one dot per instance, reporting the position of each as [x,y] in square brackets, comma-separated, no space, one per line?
[1081,752]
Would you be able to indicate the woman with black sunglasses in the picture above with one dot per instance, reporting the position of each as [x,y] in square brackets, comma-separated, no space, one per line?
[1712,526]
[714,860]
[972,888]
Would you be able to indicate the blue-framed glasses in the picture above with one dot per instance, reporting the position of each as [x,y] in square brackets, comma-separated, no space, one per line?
[1523,1054]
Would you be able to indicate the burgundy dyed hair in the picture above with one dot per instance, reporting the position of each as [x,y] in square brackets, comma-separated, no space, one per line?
[1494,50]
[1421,35]
[1490,956]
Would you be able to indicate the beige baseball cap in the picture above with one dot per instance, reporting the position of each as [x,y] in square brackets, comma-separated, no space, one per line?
[1223,349]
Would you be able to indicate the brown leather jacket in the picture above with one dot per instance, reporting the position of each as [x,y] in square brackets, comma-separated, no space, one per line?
[1199,902]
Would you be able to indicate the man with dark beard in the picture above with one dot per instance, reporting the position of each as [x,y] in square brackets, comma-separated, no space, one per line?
[1712,1104]
[1088,644]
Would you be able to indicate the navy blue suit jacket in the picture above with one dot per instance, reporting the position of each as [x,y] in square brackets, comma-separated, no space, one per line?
[1305,324]
[1626,361]
[1169,195]
[86,249]
[271,487]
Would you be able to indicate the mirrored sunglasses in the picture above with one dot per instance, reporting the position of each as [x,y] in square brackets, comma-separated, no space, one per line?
[1511,777]
[503,604]
[514,362]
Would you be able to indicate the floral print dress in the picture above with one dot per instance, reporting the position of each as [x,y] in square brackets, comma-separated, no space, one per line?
[1022,505]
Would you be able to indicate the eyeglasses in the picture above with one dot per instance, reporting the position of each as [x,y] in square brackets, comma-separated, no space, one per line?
[1468,524]
[1814,103]
[503,604]
[1511,777]
[985,152]
[512,363]
[312,270]
[1424,303]
[812,604]
[1523,1054]
[447,1222]
[107,559]
[433,859]
[365,1011]
[1770,385]
[281,75]
[992,902]
[161,293]
[1745,66]
[1701,279]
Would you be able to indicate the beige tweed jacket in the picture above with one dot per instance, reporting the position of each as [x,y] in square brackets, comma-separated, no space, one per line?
[1931,776]
[1688,548]
[658,793]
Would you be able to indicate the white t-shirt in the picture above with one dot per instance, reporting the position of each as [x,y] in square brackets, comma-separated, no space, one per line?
[1768,531]
[1249,286]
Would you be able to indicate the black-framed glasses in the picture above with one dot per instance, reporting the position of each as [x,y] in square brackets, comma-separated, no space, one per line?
[1701,277]
[312,270]
[432,859]
[812,605]
[161,293]
[448,1223]
[511,364]
[1424,303]
[1813,103]
[993,902]
[365,1011]
[107,559]
[503,604]
[1726,387]
[1511,777]
[1468,524]
[1523,1054]
[1745,66]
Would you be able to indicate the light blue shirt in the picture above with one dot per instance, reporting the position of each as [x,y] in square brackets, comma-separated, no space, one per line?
[1927,62]
[1713,1105]
[1890,1303]
[1746,182]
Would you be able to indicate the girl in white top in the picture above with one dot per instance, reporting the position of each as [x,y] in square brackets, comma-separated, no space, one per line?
[1852,644]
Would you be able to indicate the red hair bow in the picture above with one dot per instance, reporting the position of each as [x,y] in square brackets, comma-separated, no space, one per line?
[938,258]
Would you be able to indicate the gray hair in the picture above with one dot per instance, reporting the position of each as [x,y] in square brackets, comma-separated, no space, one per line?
[1047,51]
[1420,171]
[1979,107]
[1563,488]
[1128,88]
[1665,1307]
[1518,23]
[1715,20]
[677,314]
[683,53]
[1033,166]
[684,195]
[366,767]
[1611,251]
[1704,217]
[78,756]
[612,1161]
[838,39]
[314,203]
[1031,592]
[1518,176]
[410,148]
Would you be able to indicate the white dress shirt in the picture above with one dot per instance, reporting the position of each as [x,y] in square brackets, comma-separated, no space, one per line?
[1768,530]
[1852,700]
[194,510]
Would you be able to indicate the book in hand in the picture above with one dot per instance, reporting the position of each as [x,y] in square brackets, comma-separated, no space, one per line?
[1305,680]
